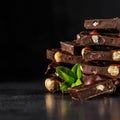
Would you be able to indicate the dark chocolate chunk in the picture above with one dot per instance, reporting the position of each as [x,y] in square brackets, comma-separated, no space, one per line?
[105,24]
[89,91]
[58,55]
[71,47]
[113,55]
[112,71]
[103,40]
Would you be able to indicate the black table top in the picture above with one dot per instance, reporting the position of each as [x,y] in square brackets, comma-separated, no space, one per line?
[31,101]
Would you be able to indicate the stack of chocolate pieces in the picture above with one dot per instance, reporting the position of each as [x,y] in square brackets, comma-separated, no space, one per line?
[97,50]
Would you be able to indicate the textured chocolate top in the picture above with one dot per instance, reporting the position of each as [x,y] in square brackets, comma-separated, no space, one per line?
[105,24]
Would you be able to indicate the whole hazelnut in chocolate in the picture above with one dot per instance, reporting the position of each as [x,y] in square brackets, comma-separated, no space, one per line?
[58,56]
[116,55]
[84,49]
[113,70]
[95,38]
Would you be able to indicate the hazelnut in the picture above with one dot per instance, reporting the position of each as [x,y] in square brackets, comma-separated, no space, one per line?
[58,56]
[95,38]
[100,87]
[83,50]
[52,84]
[95,23]
[94,32]
[116,55]
[113,70]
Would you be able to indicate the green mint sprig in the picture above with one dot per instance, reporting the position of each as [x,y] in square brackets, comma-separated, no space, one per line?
[72,77]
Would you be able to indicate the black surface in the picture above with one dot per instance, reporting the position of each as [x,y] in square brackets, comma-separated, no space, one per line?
[31,101]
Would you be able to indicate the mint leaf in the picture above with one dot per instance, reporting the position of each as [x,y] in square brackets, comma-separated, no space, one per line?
[72,77]
[78,82]
[64,86]
[66,74]
[77,71]
[74,69]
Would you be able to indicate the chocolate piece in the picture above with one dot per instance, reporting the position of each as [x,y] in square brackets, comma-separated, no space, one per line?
[103,40]
[105,24]
[75,49]
[58,55]
[113,55]
[89,91]
[112,71]
[71,47]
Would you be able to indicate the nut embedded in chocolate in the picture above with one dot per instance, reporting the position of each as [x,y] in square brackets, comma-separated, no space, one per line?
[95,23]
[100,87]
[113,70]
[58,56]
[116,55]
[95,38]
[83,50]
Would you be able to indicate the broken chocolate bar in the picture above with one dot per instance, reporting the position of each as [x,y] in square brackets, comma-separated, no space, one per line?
[71,47]
[103,40]
[89,91]
[111,71]
[104,24]
[89,55]
[58,55]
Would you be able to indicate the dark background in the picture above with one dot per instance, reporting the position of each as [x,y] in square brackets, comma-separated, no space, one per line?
[28,28]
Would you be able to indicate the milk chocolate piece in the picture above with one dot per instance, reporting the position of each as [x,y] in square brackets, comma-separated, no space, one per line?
[62,56]
[104,24]
[112,71]
[103,40]
[82,93]
[71,47]
[113,55]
